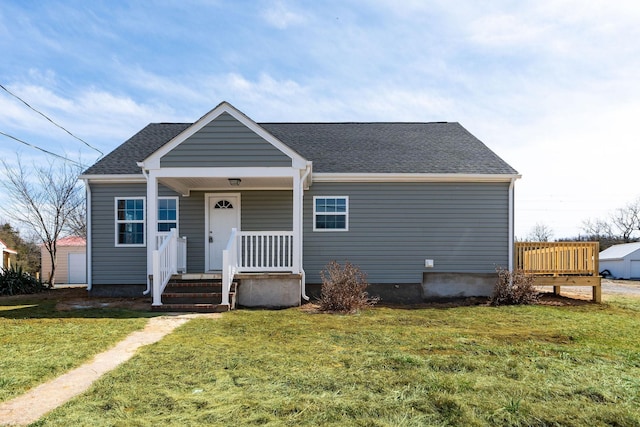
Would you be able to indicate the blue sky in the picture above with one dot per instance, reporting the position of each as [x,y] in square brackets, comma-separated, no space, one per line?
[553,87]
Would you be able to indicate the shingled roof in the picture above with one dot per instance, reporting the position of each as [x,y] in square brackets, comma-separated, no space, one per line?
[441,148]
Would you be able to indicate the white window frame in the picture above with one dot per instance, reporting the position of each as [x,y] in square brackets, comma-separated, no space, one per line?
[345,213]
[158,221]
[143,222]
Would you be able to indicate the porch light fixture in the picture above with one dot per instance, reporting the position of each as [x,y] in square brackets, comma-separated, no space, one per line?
[234,181]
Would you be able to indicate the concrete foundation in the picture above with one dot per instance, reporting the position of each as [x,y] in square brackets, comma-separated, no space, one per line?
[435,286]
[269,290]
[403,293]
[458,285]
[117,291]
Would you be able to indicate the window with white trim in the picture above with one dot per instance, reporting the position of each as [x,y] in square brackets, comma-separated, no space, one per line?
[330,213]
[130,220]
[167,214]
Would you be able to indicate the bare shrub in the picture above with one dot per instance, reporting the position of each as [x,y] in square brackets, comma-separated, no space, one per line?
[514,288]
[344,289]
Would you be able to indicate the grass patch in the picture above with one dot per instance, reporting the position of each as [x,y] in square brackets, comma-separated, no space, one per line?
[476,366]
[38,342]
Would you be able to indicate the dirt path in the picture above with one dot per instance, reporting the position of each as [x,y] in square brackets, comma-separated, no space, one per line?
[31,406]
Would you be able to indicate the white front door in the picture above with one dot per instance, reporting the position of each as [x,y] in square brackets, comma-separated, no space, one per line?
[224,214]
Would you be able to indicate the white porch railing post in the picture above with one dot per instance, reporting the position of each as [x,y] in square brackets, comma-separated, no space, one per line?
[226,279]
[165,264]
[151,216]
[229,265]
[296,226]
[157,299]
[182,254]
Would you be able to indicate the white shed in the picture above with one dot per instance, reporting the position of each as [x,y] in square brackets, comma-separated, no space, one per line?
[622,261]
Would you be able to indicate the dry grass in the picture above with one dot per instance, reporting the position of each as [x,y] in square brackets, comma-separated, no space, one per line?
[39,341]
[467,365]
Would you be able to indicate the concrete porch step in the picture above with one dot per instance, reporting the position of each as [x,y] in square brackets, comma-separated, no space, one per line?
[193,287]
[191,308]
[192,297]
[196,294]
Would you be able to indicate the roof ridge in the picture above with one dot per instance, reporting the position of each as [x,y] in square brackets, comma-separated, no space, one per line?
[324,123]
[355,123]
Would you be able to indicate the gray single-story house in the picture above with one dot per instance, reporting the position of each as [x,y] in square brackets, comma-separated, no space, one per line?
[622,261]
[424,209]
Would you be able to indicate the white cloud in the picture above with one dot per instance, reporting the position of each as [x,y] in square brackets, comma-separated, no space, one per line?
[281,15]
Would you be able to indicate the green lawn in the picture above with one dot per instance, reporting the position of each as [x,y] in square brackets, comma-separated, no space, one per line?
[472,366]
[38,342]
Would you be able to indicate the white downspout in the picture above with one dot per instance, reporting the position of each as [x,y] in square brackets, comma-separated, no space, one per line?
[511,222]
[89,239]
[303,287]
[146,177]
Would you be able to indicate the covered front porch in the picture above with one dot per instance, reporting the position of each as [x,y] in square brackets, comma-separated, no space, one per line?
[227,208]
[261,261]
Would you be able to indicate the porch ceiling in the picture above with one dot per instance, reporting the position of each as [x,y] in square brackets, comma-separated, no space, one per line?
[187,184]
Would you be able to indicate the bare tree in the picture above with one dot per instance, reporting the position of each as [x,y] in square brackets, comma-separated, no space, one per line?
[77,221]
[598,228]
[540,233]
[627,220]
[43,199]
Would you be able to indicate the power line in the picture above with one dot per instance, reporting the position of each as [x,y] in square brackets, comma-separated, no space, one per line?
[41,149]
[50,120]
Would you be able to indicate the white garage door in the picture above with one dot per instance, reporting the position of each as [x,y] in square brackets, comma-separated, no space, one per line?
[635,270]
[77,268]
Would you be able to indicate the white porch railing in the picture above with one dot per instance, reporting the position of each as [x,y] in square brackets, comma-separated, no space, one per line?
[181,265]
[168,259]
[246,251]
[255,251]
[265,251]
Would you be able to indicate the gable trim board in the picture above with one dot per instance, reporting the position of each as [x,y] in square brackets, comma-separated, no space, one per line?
[298,179]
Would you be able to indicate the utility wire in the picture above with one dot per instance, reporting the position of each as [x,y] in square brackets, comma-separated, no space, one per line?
[41,149]
[54,123]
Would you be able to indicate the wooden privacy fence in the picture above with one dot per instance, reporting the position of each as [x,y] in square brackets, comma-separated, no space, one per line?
[560,264]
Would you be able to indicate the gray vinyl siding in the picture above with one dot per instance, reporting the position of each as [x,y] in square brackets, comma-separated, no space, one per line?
[192,226]
[225,142]
[267,210]
[394,227]
[111,265]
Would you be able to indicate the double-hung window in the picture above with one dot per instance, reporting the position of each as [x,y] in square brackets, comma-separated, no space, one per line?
[330,213]
[130,220]
[167,214]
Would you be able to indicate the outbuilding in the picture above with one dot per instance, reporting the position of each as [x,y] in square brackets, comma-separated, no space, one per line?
[622,261]
[71,267]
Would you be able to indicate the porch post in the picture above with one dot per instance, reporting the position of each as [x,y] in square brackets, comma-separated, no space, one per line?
[297,216]
[152,209]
